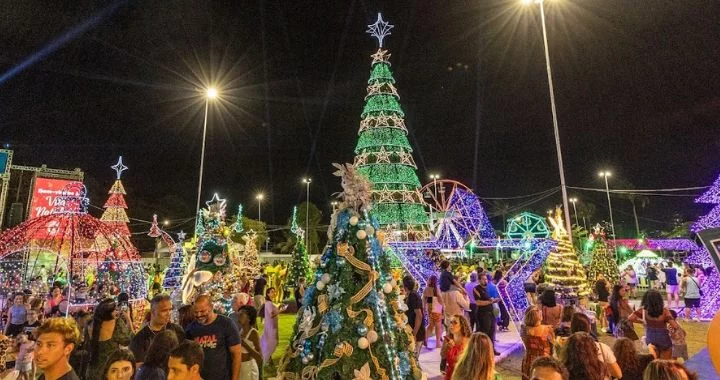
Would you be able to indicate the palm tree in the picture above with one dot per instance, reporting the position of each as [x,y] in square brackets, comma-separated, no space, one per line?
[586,211]
[500,208]
[634,199]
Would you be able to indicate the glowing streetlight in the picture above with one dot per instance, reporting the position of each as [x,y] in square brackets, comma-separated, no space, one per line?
[334,205]
[573,201]
[435,177]
[166,222]
[307,181]
[210,94]
[563,187]
[259,198]
[606,174]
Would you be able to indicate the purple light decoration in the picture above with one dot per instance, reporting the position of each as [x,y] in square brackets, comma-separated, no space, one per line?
[655,244]
[712,219]
[514,295]
[465,219]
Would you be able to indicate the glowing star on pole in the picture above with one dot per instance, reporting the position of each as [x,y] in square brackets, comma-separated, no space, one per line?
[119,168]
[217,205]
[380,29]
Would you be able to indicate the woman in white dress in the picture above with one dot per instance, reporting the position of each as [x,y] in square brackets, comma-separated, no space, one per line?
[269,340]
[249,344]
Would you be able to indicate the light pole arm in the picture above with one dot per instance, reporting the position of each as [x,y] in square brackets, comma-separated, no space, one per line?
[202,158]
[563,187]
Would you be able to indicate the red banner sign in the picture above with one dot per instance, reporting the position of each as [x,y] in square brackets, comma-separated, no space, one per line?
[45,194]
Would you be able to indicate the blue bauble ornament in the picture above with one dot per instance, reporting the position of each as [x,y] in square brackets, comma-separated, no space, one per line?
[362,330]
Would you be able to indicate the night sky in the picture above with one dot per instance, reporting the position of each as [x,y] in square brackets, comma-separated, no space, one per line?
[636,85]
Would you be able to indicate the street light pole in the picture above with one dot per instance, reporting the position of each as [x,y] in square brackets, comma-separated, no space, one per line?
[605,175]
[259,198]
[307,181]
[210,93]
[558,149]
[573,201]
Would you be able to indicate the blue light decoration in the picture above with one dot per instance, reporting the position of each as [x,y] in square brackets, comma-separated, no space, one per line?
[527,225]
[462,220]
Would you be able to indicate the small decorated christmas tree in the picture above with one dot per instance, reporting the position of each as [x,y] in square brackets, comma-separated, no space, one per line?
[114,214]
[603,259]
[250,261]
[562,267]
[352,324]
[300,263]
[176,268]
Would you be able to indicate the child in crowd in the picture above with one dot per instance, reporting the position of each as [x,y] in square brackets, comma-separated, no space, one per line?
[679,346]
[24,359]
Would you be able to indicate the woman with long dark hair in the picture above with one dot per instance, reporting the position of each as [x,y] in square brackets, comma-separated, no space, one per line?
[107,333]
[433,306]
[621,310]
[269,339]
[581,358]
[632,363]
[551,311]
[414,312]
[126,311]
[252,360]
[155,366]
[655,317]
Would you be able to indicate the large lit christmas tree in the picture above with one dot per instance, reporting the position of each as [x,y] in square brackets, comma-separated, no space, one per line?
[114,214]
[300,263]
[383,153]
[562,267]
[603,258]
[352,324]
[249,260]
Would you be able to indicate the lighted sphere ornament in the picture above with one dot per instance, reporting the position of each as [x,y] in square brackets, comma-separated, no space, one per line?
[340,261]
[305,360]
[372,336]
[387,287]
[362,330]
[354,220]
[363,343]
[361,234]
[310,356]
[320,285]
[325,278]
[370,230]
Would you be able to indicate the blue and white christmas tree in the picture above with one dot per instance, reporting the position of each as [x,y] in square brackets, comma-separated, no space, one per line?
[175,271]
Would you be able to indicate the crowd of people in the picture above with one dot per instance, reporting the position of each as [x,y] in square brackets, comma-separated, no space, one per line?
[104,343]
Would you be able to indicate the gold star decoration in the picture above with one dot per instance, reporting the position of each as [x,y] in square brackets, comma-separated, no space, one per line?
[380,56]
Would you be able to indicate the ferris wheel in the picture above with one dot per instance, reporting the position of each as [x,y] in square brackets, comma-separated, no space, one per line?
[456,214]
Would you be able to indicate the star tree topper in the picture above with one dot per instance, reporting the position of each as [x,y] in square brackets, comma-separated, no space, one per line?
[380,29]
[217,204]
[119,167]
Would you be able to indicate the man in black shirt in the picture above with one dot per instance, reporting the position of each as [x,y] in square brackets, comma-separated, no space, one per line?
[485,316]
[219,339]
[57,338]
[160,309]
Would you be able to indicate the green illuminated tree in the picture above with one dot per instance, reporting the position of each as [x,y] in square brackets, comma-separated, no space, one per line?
[383,153]
[603,259]
[300,263]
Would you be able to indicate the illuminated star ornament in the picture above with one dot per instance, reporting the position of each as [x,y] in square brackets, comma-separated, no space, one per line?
[380,29]
[216,204]
[119,167]
[181,235]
